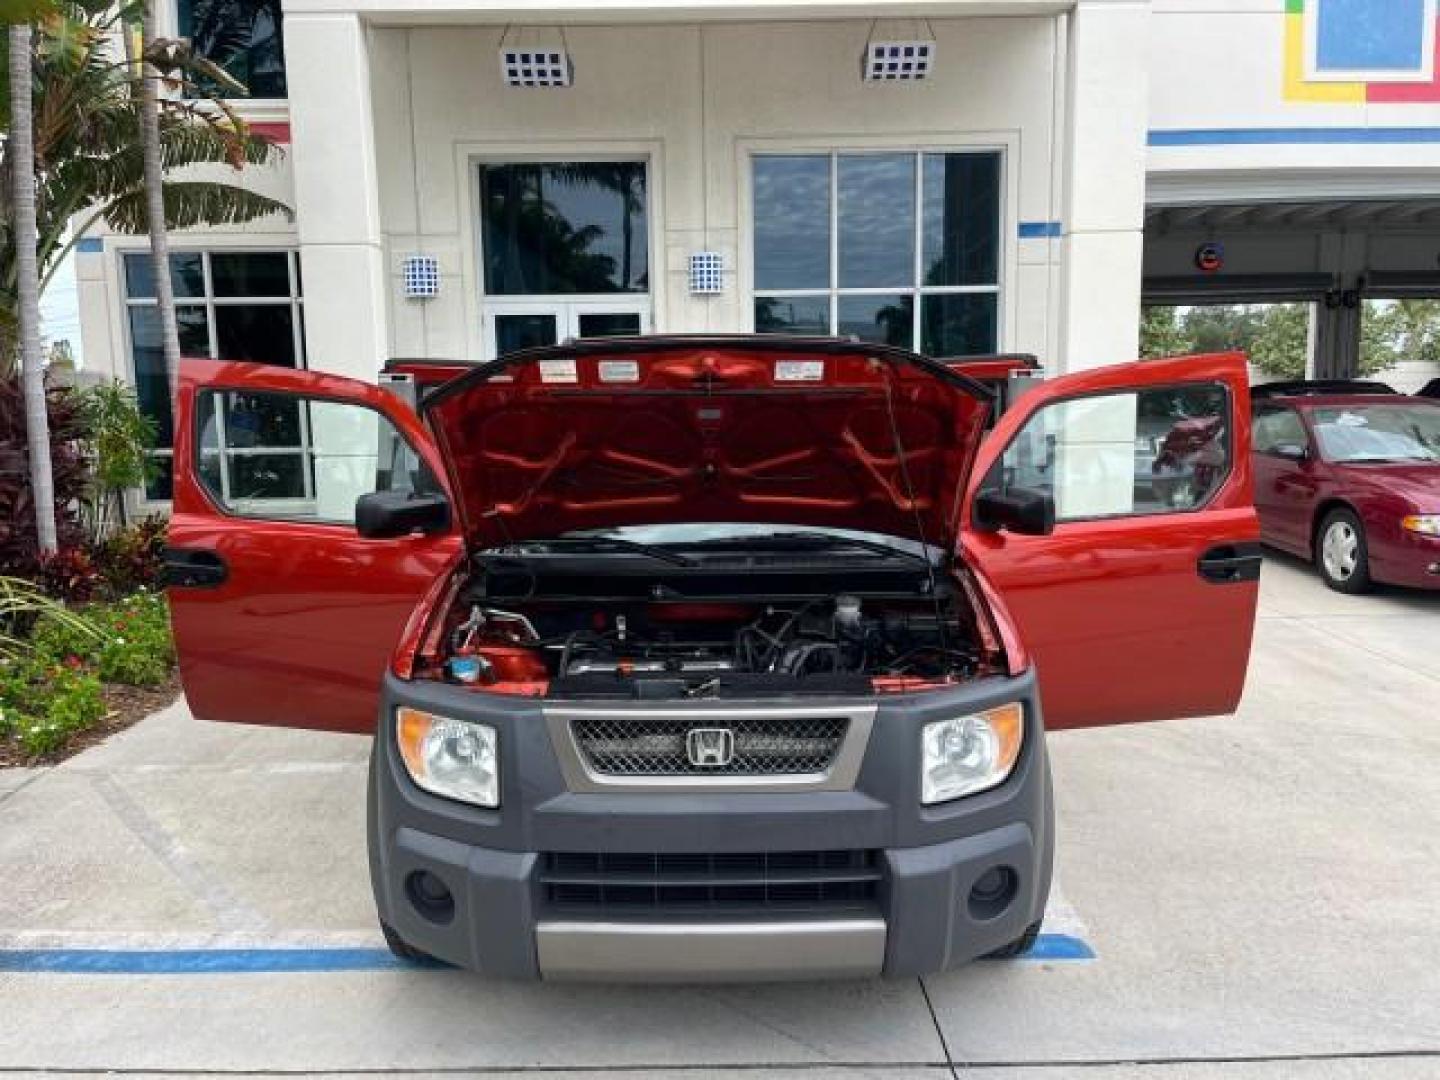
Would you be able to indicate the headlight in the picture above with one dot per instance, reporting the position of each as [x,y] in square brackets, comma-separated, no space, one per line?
[453,758]
[1425,524]
[969,753]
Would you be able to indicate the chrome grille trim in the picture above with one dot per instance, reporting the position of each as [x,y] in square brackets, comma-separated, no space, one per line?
[837,775]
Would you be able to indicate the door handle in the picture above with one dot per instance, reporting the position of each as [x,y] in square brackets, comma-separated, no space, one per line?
[1227,564]
[194,568]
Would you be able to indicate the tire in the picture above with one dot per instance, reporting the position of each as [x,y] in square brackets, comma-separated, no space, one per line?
[403,949]
[1341,554]
[1019,947]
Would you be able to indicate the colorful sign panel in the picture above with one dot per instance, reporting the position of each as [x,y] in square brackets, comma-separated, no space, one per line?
[1361,51]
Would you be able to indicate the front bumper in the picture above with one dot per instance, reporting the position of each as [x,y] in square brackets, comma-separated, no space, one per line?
[922,917]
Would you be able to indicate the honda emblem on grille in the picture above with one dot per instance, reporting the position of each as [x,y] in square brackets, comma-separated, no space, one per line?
[709,748]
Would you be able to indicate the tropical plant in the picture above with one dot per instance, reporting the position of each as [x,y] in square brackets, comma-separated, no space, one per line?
[89,154]
[22,605]
[19,547]
[118,435]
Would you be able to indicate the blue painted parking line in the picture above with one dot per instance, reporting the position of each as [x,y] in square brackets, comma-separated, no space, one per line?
[272,961]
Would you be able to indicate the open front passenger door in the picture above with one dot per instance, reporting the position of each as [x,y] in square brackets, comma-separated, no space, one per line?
[283,613]
[1140,604]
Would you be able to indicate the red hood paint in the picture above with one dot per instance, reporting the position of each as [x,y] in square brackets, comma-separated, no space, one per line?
[627,431]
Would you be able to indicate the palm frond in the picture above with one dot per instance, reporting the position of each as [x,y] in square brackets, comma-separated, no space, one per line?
[191,203]
[21,603]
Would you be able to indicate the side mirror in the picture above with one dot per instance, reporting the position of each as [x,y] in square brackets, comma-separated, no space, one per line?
[1020,510]
[383,514]
[1289,451]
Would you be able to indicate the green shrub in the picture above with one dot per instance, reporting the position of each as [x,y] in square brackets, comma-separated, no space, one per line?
[133,646]
[46,704]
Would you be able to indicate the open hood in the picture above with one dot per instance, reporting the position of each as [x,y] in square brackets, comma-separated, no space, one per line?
[629,431]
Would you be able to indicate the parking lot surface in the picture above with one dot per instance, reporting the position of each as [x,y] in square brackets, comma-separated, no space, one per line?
[1260,894]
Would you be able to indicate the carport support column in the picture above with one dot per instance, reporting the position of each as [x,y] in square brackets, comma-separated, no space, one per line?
[337,194]
[1106,117]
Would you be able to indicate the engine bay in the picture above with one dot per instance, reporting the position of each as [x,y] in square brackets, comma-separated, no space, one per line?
[659,636]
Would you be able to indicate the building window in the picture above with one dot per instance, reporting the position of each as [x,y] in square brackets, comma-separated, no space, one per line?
[565,248]
[230,305]
[895,248]
[245,37]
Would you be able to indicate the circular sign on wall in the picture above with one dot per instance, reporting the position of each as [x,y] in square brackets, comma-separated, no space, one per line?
[1210,258]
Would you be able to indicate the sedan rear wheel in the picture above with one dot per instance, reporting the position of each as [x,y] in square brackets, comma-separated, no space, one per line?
[1341,555]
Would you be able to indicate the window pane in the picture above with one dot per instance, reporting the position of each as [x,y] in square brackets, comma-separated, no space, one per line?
[1276,428]
[263,334]
[886,320]
[250,273]
[792,315]
[1152,452]
[515,332]
[792,222]
[877,220]
[958,324]
[159,484]
[187,275]
[294,458]
[565,228]
[961,226]
[148,355]
[242,36]
[611,324]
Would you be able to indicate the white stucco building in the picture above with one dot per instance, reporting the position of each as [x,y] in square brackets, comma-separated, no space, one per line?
[1060,160]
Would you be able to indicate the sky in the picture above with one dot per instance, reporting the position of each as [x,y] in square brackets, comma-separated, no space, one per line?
[60,311]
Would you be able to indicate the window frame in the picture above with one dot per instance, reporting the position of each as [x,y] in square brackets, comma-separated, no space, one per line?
[835,149]
[305,451]
[295,299]
[1140,388]
[480,306]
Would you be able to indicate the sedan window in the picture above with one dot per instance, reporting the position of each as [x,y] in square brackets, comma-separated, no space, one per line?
[1375,433]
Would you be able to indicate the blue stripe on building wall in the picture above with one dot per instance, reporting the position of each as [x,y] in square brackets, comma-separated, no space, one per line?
[90,245]
[1308,136]
[1039,230]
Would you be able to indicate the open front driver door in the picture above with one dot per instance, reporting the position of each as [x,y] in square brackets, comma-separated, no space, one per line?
[283,613]
[1141,603]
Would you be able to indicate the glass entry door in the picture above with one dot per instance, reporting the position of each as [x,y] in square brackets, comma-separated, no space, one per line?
[565,251]
[514,325]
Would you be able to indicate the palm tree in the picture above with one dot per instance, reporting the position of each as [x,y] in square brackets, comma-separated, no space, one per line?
[155,198]
[20,157]
[89,153]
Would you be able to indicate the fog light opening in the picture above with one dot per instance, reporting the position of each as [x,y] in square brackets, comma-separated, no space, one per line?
[430,896]
[992,893]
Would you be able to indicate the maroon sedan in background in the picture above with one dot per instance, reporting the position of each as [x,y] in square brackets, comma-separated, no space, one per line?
[1352,481]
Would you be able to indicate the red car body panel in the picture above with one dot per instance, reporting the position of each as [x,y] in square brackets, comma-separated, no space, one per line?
[302,629]
[767,430]
[1121,626]
[1113,611]
[1293,497]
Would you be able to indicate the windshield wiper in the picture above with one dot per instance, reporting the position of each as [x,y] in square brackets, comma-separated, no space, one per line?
[597,544]
[809,541]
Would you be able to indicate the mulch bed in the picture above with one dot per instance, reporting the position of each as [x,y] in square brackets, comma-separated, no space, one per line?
[124,705]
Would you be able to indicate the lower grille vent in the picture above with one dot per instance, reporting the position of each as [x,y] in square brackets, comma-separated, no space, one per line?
[725,884]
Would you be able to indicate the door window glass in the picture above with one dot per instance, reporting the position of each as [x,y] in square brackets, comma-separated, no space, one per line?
[515,332]
[899,248]
[283,457]
[1151,451]
[592,324]
[1275,428]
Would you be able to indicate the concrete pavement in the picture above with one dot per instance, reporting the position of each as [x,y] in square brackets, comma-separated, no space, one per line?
[1260,892]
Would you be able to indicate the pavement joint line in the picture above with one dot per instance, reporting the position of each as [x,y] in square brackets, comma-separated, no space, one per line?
[39,772]
[1421,1054]
[230,910]
[939,1028]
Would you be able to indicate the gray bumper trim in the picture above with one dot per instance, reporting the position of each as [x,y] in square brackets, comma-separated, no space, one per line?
[701,952]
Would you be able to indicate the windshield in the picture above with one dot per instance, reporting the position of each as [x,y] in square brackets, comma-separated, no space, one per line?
[689,534]
[1395,432]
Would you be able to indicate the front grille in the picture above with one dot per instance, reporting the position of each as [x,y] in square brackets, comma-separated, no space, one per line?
[656,746]
[695,885]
